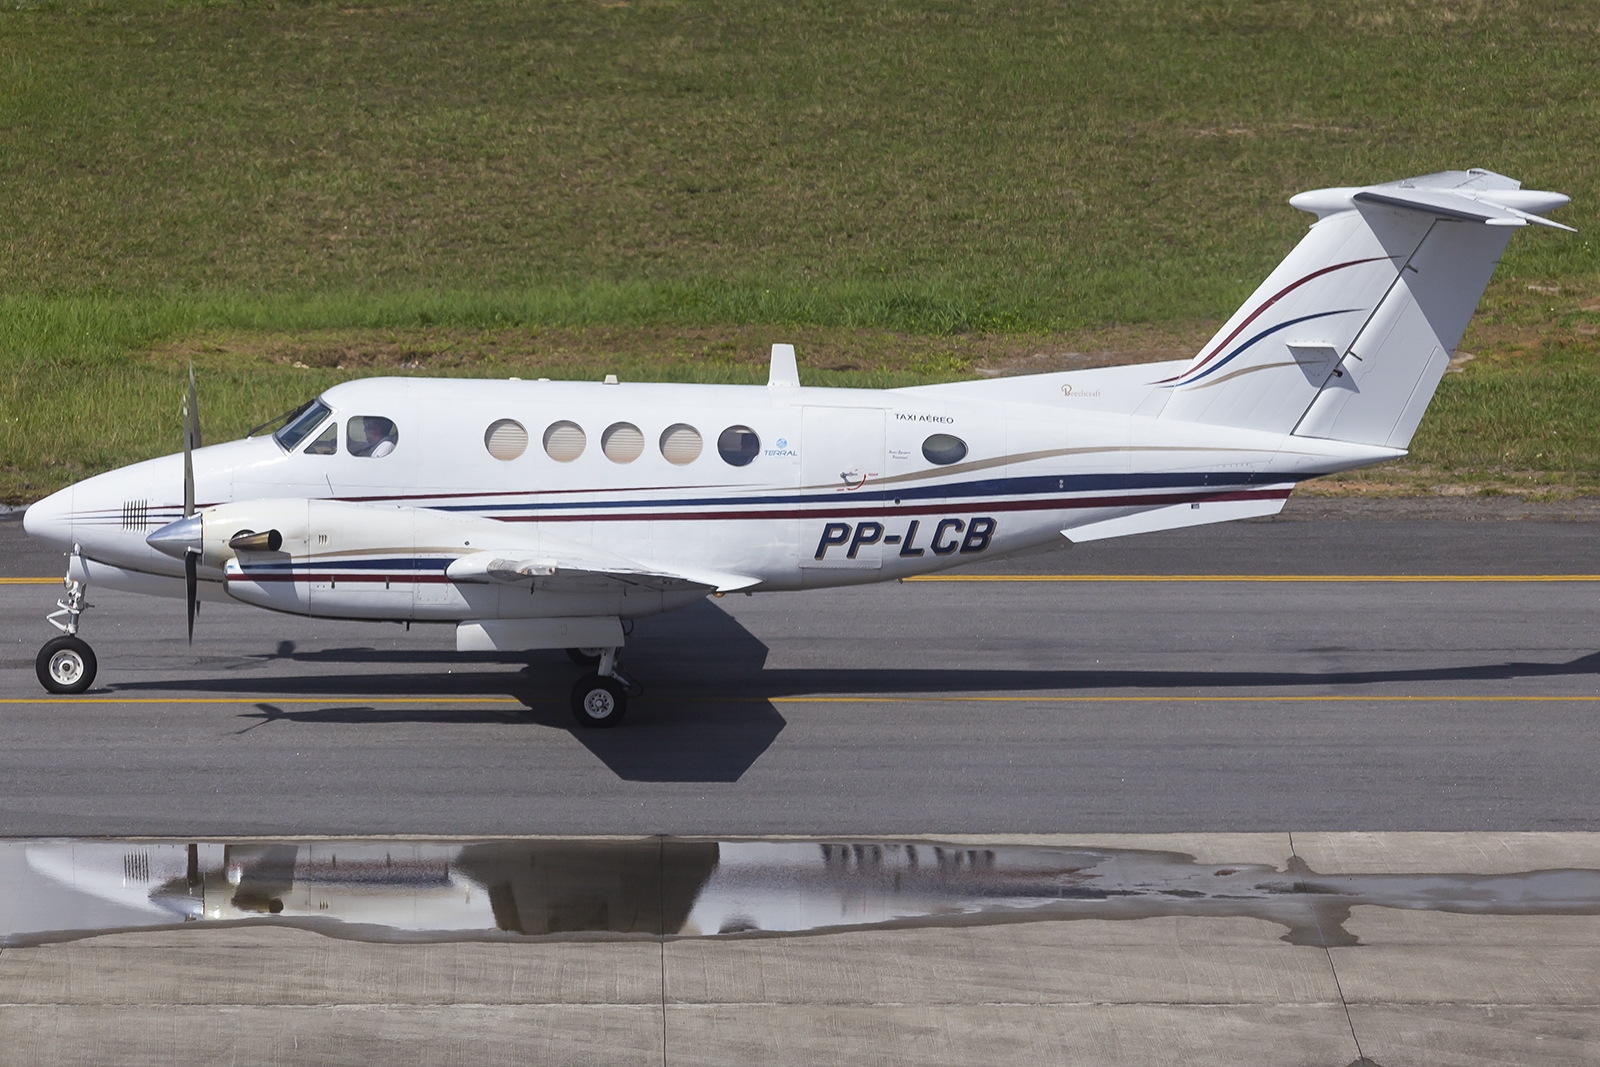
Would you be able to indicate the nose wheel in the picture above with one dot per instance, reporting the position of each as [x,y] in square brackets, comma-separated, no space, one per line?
[66,664]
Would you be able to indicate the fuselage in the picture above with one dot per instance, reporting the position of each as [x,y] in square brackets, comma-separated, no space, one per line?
[789,487]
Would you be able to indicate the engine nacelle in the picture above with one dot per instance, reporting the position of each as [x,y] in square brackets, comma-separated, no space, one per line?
[335,559]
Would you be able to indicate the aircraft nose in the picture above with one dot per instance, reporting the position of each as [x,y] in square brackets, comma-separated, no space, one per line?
[178,539]
[51,519]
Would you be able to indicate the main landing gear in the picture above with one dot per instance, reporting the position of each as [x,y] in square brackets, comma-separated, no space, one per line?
[601,699]
[66,664]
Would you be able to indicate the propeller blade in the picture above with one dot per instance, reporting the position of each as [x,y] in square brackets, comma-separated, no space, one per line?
[192,424]
[188,464]
[191,581]
[191,441]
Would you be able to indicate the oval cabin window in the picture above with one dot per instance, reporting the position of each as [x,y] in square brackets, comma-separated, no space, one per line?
[942,448]
[564,441]
[738,445]
[681,444]
[505,439]
[622,442]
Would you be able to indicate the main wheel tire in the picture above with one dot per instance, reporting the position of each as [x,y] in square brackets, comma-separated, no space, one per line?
[598,701]
[585,657]
[65,665]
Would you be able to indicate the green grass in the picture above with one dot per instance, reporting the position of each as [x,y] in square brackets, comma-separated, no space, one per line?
[176,170]
[1523,417]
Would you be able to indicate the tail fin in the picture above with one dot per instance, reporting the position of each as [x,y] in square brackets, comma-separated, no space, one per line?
[1349,336]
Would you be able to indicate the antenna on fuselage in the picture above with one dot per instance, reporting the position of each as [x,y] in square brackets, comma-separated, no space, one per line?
[785,373]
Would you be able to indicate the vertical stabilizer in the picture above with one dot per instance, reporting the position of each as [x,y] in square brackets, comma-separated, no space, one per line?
[1348,337]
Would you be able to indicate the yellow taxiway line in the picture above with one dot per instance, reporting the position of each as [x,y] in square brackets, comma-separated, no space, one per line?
[260,700]
[1276,699]
[1380,698]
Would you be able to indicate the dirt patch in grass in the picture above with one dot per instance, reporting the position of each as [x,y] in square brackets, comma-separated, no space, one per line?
[686,353]
[1518,418]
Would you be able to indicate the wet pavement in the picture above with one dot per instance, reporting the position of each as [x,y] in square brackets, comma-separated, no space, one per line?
[1306,948]
[407,890]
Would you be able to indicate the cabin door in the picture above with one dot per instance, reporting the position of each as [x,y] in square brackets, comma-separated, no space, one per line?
[841,462]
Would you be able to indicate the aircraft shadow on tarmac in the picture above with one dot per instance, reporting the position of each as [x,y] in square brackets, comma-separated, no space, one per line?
[668,742]
[708,716]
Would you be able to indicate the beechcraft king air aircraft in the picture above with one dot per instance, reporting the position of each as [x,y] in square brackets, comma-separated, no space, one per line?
[546,514]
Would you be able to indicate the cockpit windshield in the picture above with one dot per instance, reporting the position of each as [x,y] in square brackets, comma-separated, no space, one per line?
[299,423]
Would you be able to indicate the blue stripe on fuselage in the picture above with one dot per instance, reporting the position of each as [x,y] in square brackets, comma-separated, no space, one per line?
[1031,485]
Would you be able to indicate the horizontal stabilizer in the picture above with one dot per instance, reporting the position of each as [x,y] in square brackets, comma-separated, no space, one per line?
[1464,195]
[1448,204]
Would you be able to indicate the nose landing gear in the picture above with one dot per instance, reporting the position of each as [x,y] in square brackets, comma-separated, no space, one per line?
[66,664]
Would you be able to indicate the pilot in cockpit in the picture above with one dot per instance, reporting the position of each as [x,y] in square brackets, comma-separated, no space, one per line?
[372,436]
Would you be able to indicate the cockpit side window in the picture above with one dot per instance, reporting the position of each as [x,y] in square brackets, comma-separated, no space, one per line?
[372,436]
[327,442]
[300,424]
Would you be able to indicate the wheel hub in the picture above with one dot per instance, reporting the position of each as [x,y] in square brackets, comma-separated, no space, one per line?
[66,666]
[598,703]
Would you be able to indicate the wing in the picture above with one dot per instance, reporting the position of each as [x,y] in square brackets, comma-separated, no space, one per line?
[579,568]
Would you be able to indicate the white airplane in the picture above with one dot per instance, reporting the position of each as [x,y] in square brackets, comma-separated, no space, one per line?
[540,514]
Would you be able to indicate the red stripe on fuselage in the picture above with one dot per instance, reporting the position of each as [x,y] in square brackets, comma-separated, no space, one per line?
[1279,295]
[949,507]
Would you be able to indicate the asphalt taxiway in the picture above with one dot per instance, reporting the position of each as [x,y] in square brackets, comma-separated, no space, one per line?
[1248,677]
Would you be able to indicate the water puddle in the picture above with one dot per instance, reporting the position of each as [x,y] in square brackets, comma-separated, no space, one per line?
[420,891]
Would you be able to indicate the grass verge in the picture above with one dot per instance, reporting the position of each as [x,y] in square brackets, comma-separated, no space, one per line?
[911,190]
[1520,414]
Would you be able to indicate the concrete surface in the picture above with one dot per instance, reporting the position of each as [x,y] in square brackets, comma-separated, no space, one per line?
[1429,988]
[1421,852]
[1421,987]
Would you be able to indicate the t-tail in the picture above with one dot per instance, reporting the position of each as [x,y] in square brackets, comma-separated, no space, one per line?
[1349,336]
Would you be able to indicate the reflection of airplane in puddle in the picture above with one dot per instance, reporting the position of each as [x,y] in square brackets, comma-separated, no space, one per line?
[527,888]
[381,891]
[480,504]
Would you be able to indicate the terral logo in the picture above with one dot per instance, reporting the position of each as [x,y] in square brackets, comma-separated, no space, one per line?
[950,535]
